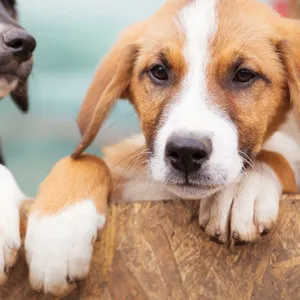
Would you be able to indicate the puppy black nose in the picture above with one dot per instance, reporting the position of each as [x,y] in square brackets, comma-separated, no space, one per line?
[187,154]
[21,43]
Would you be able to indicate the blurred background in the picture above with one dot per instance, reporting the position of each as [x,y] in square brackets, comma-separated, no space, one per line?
[72,36]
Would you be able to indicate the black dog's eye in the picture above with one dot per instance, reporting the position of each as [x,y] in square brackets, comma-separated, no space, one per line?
[159,74]
[243,76]
[10,3]
[10,6]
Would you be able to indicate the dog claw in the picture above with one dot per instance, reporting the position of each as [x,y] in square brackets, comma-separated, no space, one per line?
[237,240]
[265,232]
[6,270]
[74,280]
[216,239]
[202,227]
[235,236]
[241,243]
[217,234]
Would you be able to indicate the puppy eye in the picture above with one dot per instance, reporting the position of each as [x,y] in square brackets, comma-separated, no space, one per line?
[243,76]
[159,74]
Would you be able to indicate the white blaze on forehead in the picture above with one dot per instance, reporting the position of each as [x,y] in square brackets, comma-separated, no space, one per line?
[199,24]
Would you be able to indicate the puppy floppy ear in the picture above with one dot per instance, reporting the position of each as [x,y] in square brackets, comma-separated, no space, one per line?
[110,83]
[289,49]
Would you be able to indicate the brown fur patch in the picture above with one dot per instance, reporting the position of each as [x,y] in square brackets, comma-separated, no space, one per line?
[282,169]
[72,181]
[257,109]
[148,98]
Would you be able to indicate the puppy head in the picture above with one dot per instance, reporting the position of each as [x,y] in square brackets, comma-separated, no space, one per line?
[210,81]
[16,48]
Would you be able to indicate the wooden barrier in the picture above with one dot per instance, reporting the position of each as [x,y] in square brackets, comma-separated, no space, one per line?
[157,251]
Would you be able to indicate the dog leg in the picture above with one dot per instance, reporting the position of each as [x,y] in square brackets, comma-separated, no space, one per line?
[63,223]
[256,205]
[10,242]
[250,207]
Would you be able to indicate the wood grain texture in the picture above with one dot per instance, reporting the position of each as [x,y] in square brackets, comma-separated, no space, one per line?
[156,251]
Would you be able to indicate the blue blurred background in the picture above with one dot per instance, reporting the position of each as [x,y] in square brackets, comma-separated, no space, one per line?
[72,36]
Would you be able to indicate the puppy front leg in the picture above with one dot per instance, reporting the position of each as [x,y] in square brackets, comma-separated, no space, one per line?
[10,242]
[63,223]
[250,206]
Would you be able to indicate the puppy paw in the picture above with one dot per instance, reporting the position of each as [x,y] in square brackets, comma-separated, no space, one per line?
[249,209]
[10,240]
[215,212]
[59,247]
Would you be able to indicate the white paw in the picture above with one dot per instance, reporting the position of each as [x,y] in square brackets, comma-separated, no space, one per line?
[248,208]
[10,241]
[59,247]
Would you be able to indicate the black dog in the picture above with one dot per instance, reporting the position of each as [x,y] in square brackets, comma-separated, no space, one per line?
[16,49]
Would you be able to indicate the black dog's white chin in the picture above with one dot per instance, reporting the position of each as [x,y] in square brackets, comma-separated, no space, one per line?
[192,191]
[14,82]
[8,83]
[10,80]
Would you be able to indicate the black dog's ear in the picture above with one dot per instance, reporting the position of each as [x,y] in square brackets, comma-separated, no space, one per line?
[20,97]
[2,161]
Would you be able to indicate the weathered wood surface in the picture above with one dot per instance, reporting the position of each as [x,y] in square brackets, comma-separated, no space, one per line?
[156,251]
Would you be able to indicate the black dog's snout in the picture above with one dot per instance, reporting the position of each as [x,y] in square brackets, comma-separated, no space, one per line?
[20,43]
[187,154]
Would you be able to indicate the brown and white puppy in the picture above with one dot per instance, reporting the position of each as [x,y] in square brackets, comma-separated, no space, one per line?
[16,48]
[214,84]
